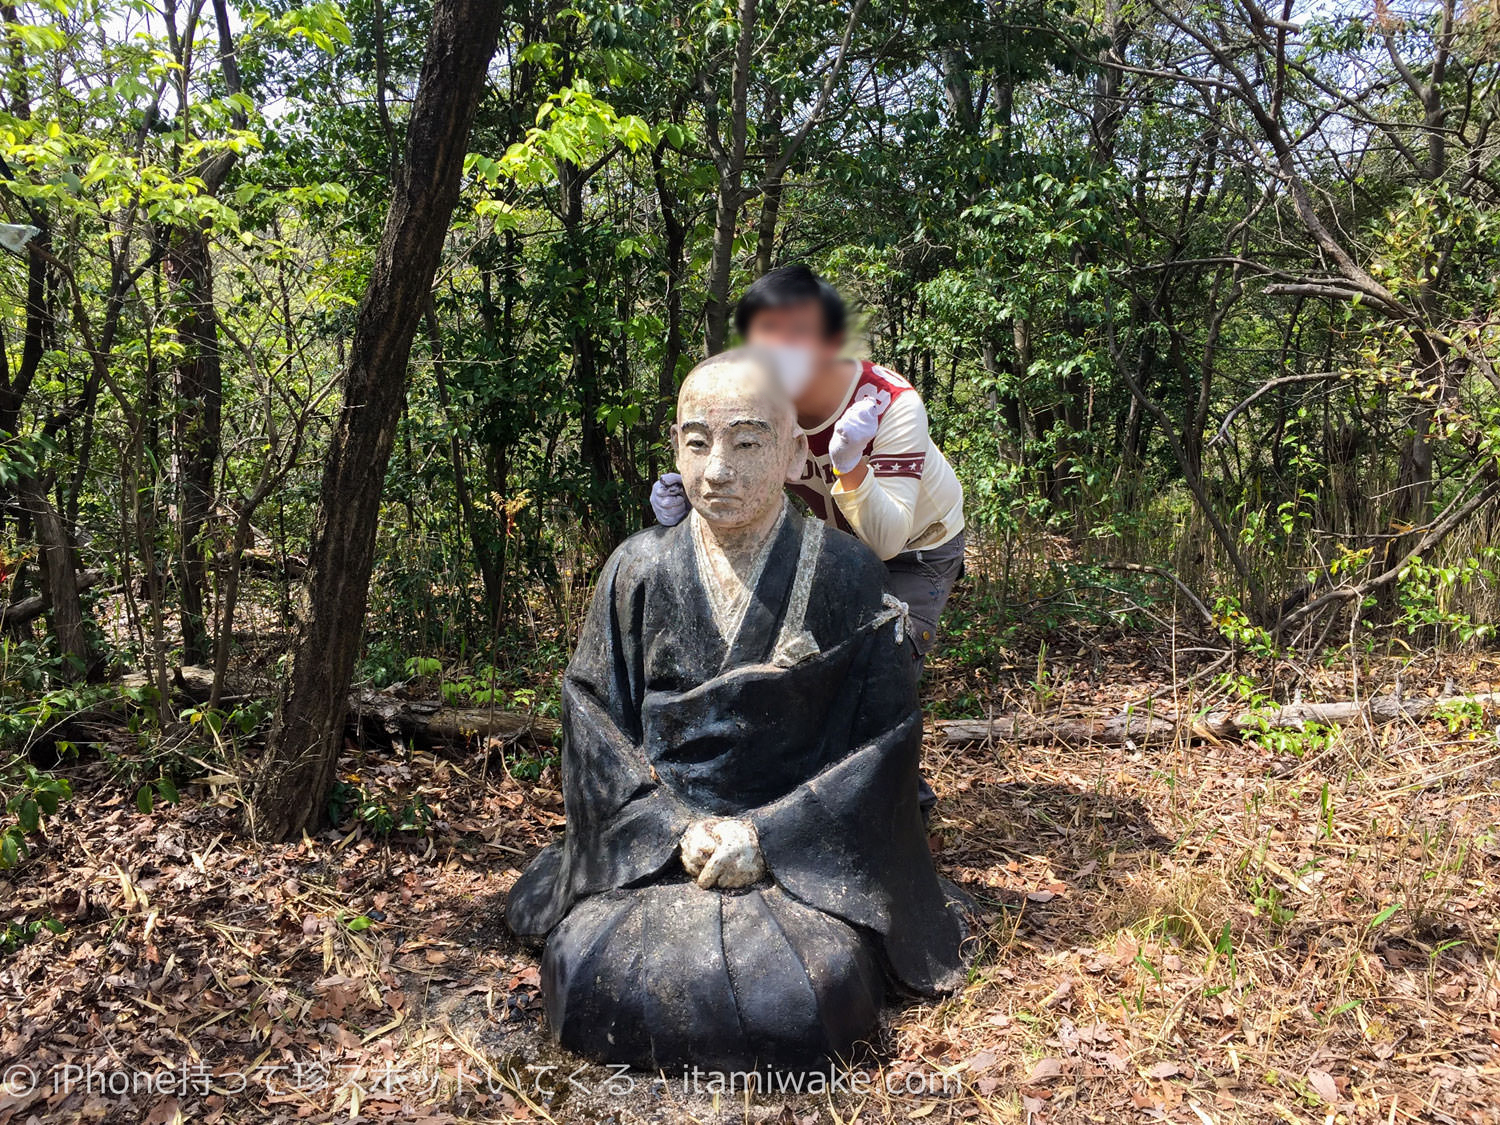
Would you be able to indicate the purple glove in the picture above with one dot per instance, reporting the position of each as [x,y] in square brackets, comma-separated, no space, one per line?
[668,500]
[851,433]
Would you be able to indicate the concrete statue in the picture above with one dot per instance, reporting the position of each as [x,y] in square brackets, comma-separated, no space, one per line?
[744,877]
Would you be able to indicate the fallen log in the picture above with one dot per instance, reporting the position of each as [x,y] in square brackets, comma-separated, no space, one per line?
[1145,727]
[192,683]
[435,723]
[409,718]
[265,562]
[22,610]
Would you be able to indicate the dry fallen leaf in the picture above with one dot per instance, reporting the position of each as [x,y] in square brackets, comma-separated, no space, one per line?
[1322,1082]
[1045,1071]
[982,1061]
[1063,990]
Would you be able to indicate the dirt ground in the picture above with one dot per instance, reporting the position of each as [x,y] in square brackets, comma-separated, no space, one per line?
[1299,929]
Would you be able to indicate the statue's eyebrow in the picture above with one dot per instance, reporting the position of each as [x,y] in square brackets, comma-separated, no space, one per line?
[753,423]
[700,427]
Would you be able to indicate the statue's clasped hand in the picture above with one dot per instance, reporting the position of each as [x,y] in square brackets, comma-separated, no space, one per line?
[723,853]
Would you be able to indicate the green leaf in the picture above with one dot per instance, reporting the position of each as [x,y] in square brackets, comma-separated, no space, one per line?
[39,39]
[143,798]
[537,53]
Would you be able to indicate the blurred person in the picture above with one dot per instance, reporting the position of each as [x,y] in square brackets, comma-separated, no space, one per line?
[872,467]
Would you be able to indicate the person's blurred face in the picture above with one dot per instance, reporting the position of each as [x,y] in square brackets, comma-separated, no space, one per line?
[796,326]
[737,444]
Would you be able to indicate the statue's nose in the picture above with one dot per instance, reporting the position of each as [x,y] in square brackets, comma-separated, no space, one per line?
[718,468]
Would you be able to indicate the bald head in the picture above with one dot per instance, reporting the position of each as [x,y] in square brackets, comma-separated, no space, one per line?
[736,439]
[746,375]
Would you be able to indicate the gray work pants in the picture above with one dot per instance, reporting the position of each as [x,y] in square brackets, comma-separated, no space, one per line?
[923,580]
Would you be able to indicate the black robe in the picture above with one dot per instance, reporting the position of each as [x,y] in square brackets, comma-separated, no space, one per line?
[666,723]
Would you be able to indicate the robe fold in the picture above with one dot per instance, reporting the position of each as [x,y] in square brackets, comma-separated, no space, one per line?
[804,722]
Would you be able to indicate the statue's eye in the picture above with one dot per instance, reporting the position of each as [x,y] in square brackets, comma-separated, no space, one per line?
[747,443]
[697,443]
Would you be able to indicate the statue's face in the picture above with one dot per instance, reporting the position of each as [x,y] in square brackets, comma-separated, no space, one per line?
[737,444]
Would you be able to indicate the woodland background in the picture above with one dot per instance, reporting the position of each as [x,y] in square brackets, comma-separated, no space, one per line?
[1201,296]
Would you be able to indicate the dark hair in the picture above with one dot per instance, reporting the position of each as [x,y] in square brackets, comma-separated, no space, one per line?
[790,285]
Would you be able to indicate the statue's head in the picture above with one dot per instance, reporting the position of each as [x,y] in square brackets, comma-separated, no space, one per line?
[736,438]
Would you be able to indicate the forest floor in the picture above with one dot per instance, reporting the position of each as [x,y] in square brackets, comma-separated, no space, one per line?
[1301,929]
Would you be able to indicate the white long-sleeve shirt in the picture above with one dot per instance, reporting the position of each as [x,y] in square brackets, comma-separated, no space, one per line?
[910,498]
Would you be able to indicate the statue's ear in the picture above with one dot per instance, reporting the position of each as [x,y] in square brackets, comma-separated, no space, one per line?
[675,436]
[796,464]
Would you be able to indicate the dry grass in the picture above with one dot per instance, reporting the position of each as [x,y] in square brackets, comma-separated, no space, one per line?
[1205,933]
[1235,937]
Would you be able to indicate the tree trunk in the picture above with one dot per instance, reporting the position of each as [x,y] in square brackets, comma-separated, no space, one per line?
[765,239]
[288,793]
[730,161]
[721,262]
[198,376]
[770,204]
[484,552]
[60,584]
[675,253]
[14,388]
[199,393]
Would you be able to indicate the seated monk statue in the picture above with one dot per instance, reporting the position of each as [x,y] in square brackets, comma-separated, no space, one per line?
[744,873]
